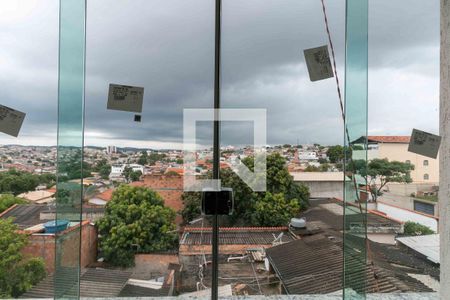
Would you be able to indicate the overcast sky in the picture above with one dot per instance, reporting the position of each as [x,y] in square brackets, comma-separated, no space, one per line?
[167,47]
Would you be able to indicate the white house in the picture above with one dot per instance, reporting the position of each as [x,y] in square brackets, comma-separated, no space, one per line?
[117,170]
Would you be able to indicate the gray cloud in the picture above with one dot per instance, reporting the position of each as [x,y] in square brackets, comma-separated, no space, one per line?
[167,46]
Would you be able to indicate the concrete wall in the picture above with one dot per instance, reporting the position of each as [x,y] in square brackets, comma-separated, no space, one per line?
[405,202]
[407,215]
[154,264]
[325,189]
[407,189]
[444,161]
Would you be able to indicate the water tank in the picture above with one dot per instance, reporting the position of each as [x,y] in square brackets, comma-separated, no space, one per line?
[56,226]
[298,222]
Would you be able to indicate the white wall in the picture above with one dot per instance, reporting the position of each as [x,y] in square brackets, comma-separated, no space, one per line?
[406,215]
[325,189]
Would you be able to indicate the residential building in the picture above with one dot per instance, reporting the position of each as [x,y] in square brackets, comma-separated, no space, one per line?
[426,170]
[117,170]
[41,196]
[111,149]
[42,244]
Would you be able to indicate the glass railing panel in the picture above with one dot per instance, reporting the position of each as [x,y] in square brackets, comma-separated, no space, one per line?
[355,192]
[69,195]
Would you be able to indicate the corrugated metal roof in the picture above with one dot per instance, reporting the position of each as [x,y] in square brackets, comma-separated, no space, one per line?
[93,283]
[427,245]
[315,266]
[235,237]
[25,215]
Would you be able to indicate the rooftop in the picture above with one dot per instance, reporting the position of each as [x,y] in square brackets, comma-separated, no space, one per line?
[403,139]
[24,215]
[105,195]
[393,264]
[426,245]
[328,214]
[93,283]
[236,235]
[314,265]
[38,196]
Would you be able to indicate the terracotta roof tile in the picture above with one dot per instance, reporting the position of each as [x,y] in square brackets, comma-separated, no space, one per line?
[403,139]
[106,195]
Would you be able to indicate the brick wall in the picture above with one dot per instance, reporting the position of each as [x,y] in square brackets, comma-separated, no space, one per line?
[154,264]
[170,188]
[43,245]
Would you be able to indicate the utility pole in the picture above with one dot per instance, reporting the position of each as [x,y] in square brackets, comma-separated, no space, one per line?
[216,149]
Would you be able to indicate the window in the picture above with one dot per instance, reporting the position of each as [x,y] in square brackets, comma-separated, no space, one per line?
[426,177]
[408,161]
[425,162]
[425,208]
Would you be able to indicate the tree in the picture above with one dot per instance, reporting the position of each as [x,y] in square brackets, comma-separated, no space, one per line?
[17,182]
[127,173]
[72,164]
[336,153]
[312,169]
[105,171]
[274,210]
[322,160]
[379,172]
[63,196]
[48,179]
[412,228]
[17,272]
[191,201]
[103,168]
[154,157]
[8,200]
[279,183]
[135,175]
[143,159]
[324,167]
[135,220]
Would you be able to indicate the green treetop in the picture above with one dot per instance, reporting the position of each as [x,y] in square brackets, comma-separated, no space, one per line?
[17,272]
[135,220]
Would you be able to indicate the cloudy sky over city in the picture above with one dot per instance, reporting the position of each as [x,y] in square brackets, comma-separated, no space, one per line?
[167,47]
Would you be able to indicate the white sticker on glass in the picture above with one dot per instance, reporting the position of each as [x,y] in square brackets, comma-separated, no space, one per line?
[10,120]
[125,98]
[318,63]
[424,143]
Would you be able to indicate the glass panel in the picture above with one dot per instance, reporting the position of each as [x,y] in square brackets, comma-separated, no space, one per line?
[70,149]
[264,68]
[355,192]
[166,47]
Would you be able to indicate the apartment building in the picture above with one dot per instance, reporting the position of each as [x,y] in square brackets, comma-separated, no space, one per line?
[426,170]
